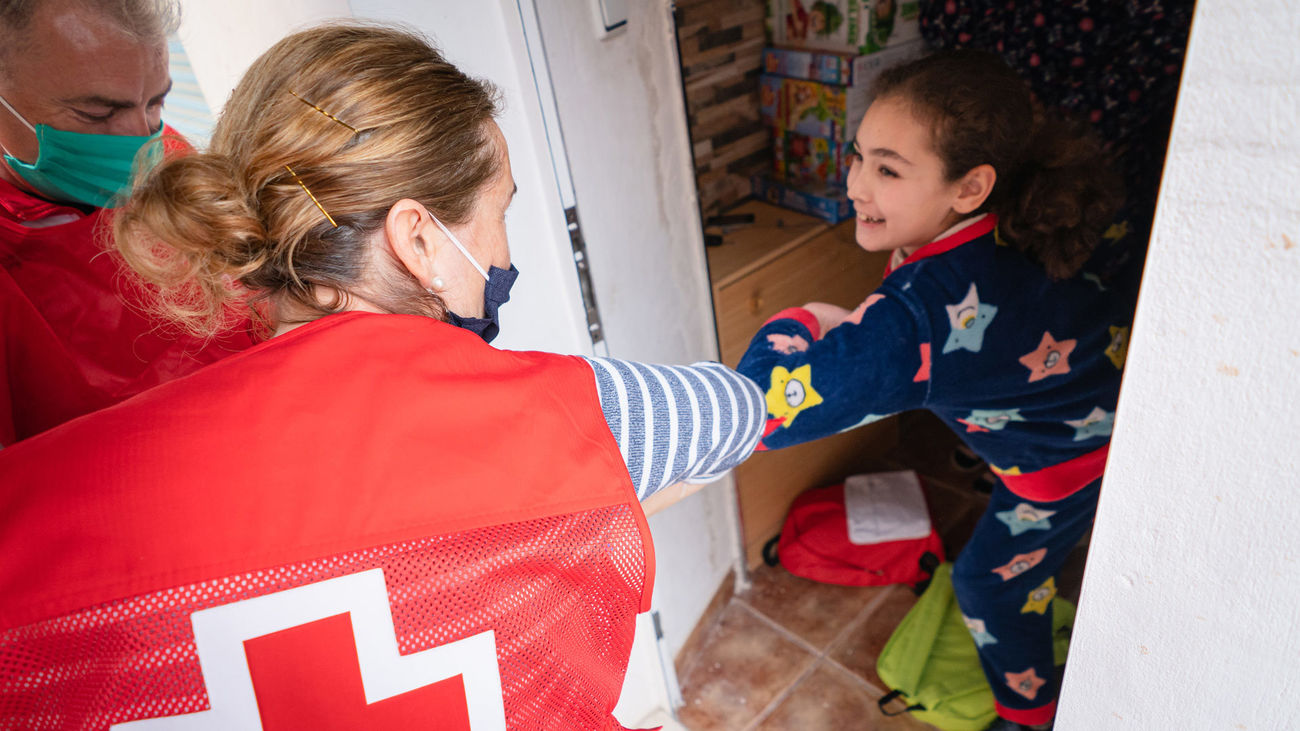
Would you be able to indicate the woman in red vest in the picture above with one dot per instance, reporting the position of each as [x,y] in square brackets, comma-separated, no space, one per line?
[373,519]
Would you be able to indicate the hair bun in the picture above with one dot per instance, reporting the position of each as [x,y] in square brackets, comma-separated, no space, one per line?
[191,232]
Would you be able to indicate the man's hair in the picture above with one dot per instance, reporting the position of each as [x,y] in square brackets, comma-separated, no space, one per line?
[148,21]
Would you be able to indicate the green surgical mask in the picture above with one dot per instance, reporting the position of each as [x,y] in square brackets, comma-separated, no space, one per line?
[81,168]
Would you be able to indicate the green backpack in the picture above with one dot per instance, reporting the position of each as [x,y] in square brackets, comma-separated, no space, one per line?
[930,662]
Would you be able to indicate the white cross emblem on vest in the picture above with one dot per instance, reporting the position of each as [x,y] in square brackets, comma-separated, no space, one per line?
[220,634]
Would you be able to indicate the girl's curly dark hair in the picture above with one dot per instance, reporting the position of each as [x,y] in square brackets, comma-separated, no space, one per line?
[1056,191]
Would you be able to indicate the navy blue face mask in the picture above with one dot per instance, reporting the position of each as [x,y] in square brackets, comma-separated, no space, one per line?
[495,293]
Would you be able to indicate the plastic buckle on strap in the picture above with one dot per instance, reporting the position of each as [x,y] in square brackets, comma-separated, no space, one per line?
[896,695]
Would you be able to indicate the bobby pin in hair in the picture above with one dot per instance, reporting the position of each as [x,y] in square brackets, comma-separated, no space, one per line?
[322,111]
[328,217]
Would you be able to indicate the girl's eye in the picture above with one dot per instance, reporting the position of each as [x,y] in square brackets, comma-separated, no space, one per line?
[886,172]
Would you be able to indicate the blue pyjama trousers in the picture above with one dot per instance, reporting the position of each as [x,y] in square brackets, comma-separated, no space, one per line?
[1005,580]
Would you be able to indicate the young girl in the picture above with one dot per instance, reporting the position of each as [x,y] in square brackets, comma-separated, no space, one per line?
[1001,311]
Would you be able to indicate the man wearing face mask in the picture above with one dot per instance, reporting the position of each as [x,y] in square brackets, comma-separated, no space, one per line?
[82,84]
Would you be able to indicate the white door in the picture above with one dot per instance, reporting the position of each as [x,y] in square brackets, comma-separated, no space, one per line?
[486,40]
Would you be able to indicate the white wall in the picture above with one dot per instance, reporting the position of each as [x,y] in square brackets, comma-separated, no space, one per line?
[1190,612]
[222,37]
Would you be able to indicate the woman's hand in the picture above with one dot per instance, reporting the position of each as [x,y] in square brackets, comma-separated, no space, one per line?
[828,315]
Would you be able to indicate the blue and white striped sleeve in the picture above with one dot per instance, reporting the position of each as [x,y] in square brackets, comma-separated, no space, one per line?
[678,423]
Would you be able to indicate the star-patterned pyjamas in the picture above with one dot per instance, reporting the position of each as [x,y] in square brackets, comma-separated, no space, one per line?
[1005,580]
[1025,368]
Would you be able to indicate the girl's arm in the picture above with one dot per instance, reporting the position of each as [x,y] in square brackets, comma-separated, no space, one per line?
[818,382]
[676,424]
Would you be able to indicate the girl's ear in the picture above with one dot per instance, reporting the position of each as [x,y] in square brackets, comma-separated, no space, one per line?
[404,231]
[974,188]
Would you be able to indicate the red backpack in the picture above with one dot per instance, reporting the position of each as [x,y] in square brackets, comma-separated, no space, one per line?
[871,530]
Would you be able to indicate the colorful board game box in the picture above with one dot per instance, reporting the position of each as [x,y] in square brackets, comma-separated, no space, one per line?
[828,203]
[809,107]
[823,66]
[820,109]
[802,160]
[812,121]
[844,26]
[835,68]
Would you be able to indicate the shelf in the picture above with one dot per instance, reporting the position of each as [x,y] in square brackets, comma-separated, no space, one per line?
[773,232]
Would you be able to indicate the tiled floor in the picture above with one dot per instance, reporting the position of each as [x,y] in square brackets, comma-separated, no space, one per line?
[790,653]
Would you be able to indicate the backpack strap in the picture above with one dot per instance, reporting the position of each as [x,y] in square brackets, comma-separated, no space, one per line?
[928,562]
[771,551]
[891,695]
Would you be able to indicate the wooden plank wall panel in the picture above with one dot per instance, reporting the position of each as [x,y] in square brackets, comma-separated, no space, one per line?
[721,51]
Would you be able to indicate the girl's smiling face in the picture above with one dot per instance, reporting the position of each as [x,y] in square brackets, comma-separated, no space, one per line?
[897,184]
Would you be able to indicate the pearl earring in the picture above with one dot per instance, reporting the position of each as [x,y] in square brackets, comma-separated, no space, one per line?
[437,283]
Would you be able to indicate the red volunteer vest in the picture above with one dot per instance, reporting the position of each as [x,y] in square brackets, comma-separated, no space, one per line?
[372,521]
[71,345]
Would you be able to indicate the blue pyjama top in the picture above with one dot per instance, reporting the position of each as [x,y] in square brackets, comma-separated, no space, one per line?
[1025,368]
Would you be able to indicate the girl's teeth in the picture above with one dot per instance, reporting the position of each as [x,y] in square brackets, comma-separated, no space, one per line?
[869,219]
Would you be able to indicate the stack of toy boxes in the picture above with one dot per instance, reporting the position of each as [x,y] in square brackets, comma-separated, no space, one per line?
[814,99]
[843,26]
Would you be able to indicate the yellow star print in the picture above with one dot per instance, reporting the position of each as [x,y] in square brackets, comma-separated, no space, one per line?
[791,392]
[1041,598]
[1116,232]
[1008,471]
[1117,351]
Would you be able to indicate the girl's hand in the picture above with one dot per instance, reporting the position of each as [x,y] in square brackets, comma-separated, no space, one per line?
[828,315]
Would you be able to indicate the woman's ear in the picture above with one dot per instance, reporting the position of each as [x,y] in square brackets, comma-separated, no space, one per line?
[974,188]
[405,231]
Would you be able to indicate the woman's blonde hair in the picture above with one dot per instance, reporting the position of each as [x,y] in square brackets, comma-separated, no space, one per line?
[363,115]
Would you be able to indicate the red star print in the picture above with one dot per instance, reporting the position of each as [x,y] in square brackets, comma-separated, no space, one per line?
[1052,358]
[787,343]
[855,317]
[1020,563]
[772,425]
[923,373]
[1025,683]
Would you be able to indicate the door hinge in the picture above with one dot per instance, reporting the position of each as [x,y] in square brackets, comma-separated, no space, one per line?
[584,276]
